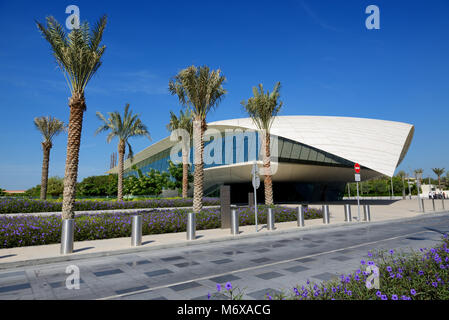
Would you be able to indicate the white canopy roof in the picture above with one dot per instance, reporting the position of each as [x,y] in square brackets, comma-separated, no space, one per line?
[376,144]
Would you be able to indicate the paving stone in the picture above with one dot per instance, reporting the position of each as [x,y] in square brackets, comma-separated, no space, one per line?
[185,286]
[269,275]
[297,269]
[305,260]
[262,250]
[107,272]
[325,276]
[261,260]
[15,287]
[341,258]
[174,258]
[138,263]
[225,278]
[262,294]
[222,261]
[233,253]
[186,264]
[158,272]
[122,291]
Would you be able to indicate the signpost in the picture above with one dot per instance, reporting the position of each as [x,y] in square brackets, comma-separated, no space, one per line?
[357,179]
[256,184]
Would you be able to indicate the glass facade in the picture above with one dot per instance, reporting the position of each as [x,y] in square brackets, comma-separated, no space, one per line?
[238,146]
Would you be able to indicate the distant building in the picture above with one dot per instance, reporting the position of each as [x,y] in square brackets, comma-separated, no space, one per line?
[313,156]
[15,191]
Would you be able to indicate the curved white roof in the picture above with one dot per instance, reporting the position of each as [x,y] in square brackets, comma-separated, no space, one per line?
[376,144]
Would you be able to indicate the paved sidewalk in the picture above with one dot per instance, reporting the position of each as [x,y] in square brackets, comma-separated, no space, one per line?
[23,256]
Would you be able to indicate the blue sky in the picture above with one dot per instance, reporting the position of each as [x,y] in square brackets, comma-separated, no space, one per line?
[326,60]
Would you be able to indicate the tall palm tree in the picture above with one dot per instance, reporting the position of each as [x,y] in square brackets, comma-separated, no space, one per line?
[184,122]
[49,127]
[263,108]
[402,175]
[202,90]
[78,55]
[123,128]
[439,172]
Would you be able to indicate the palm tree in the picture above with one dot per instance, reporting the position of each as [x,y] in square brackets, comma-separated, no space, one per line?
[49,127]
[78,55]
[184,122]
[202,90]
[123,128]
[402,175]
[263,108]
[439,172]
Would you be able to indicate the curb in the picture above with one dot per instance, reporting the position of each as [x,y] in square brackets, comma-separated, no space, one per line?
[33,262]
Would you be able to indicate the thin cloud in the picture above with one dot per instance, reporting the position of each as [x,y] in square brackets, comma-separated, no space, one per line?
[323,24]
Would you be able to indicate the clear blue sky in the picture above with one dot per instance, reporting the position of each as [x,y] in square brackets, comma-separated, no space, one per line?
[326,60]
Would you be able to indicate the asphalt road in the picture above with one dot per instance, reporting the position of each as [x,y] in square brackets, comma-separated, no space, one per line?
[261,265]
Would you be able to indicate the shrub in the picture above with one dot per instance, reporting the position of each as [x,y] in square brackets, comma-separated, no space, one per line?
[39,230]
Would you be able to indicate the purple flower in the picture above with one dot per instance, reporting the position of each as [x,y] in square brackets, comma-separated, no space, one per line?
[391,251]
[218,287]
[384,297]
[413,291]
[394,297]
[389,269]
[228,286]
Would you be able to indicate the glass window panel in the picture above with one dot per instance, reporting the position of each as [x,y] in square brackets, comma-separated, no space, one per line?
[287,149]
[312,155]
[296,150]
[320,157]
[304,155]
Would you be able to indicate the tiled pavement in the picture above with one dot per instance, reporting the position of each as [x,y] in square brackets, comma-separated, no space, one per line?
[258,265]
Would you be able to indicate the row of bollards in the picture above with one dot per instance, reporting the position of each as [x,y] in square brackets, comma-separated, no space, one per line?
[68,225]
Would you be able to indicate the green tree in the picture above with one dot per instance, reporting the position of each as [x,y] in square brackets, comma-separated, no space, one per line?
[183,122]
[263,108]
[2,192]
[123,128]
[401,174]
[151,183]
[55,187]
[78,55]
[49,127]
[105,185]
[439,172]
[177,173]
[199,89]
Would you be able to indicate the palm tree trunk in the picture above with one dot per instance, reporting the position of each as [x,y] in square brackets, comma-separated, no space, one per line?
[77,106]
[403,188]
[121,156]
[198,176]
[46,146]
[268,183]
[185,172]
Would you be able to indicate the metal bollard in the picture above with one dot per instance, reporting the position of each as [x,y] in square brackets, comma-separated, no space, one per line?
[348,217]
[136,234]
[442,200]
[433,204]
[366,213]
[67,235]
[270,219]
[326,216]
[191,226]
[234,222]
[422,205]
[300,214]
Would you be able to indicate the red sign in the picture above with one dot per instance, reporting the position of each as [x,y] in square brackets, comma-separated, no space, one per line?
[357,168]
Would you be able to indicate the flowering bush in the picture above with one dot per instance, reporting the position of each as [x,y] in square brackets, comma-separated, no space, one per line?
[28,206]
[422,275]
[38,230]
